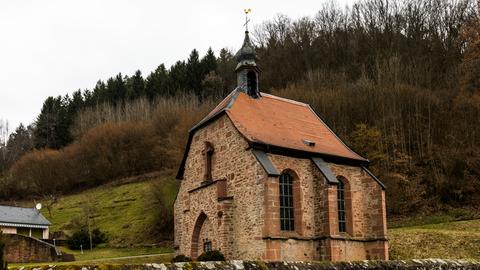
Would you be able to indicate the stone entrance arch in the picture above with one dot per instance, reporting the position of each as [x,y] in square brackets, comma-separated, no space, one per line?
[202,232]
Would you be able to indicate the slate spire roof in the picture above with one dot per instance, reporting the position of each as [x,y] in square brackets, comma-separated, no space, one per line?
[21,216]
[246,56]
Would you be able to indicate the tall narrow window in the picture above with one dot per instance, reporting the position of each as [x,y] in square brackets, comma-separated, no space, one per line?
[342,226]
[208,152]
[287,220]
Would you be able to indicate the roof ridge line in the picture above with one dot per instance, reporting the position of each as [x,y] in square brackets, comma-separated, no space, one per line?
[284,99]
[334,134]
[235,93]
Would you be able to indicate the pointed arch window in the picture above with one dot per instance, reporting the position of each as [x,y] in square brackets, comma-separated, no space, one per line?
[287,218]
[342,220]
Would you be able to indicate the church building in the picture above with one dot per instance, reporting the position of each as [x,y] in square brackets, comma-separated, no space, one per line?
[264,178]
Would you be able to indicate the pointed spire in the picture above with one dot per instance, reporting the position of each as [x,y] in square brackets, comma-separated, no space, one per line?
[246,56]
[247,69]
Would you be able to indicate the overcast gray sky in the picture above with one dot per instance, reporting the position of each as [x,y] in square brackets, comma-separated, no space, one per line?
[54,47]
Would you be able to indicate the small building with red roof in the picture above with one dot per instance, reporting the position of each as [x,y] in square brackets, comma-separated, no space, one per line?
[264,178]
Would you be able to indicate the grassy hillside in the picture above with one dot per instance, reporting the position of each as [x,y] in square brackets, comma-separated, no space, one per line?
[448,240]
[125,212]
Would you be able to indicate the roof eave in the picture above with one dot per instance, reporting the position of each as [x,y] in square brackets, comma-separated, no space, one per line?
[25,225]
[274,149]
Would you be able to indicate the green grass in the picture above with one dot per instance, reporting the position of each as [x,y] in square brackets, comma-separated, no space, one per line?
[125,212]
[449,240]
[112,256]
[455,214]
[105,253]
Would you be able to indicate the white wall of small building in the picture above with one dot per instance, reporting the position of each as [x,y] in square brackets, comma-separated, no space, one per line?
[45,233]
[13,230]
[8,230]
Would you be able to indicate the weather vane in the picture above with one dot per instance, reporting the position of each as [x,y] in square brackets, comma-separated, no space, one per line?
[247,10]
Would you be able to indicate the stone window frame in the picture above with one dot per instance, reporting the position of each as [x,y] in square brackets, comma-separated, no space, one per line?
[297,205]
[348,211]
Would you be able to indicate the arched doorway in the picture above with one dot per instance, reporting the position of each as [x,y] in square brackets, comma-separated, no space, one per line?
[202,236]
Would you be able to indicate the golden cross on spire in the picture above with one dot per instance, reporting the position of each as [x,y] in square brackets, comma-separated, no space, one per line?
[247,10]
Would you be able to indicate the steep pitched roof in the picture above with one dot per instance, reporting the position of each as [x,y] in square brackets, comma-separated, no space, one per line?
[282,124]
[20,215]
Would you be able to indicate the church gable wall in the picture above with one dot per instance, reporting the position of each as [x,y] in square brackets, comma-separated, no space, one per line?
[230,201]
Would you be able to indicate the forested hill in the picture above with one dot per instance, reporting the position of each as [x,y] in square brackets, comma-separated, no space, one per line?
[398,80]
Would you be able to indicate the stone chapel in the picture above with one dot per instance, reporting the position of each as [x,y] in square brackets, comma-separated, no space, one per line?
[264,178]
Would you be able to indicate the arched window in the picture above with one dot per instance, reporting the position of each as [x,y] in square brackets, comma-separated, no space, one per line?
[342,220]
[208,152]
[252,83]
[287,219]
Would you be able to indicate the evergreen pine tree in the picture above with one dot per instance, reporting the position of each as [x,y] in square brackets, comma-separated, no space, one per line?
[48,125]
[99,94]
[116,89]
[208,63]
[19,143]
[226,69]
[157,83]
[178,78]
[135,86]
[194,70]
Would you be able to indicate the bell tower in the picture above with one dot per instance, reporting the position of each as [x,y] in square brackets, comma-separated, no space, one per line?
[247,69]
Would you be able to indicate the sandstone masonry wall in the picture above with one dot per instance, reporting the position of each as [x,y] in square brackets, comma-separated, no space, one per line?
[238,210]
[317,237]
[230,201]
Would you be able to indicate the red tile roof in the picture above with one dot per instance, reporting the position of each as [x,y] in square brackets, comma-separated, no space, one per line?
[281,123]
[285,123]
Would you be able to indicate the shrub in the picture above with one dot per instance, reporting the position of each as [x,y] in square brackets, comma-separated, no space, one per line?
[209,256]
[82,238]
[181,258]
[3,262]
[163,194]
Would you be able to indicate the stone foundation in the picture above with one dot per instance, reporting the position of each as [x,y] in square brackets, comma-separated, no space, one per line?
[431,264]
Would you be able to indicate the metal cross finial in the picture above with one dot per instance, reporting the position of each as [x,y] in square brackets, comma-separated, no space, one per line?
[247,10]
